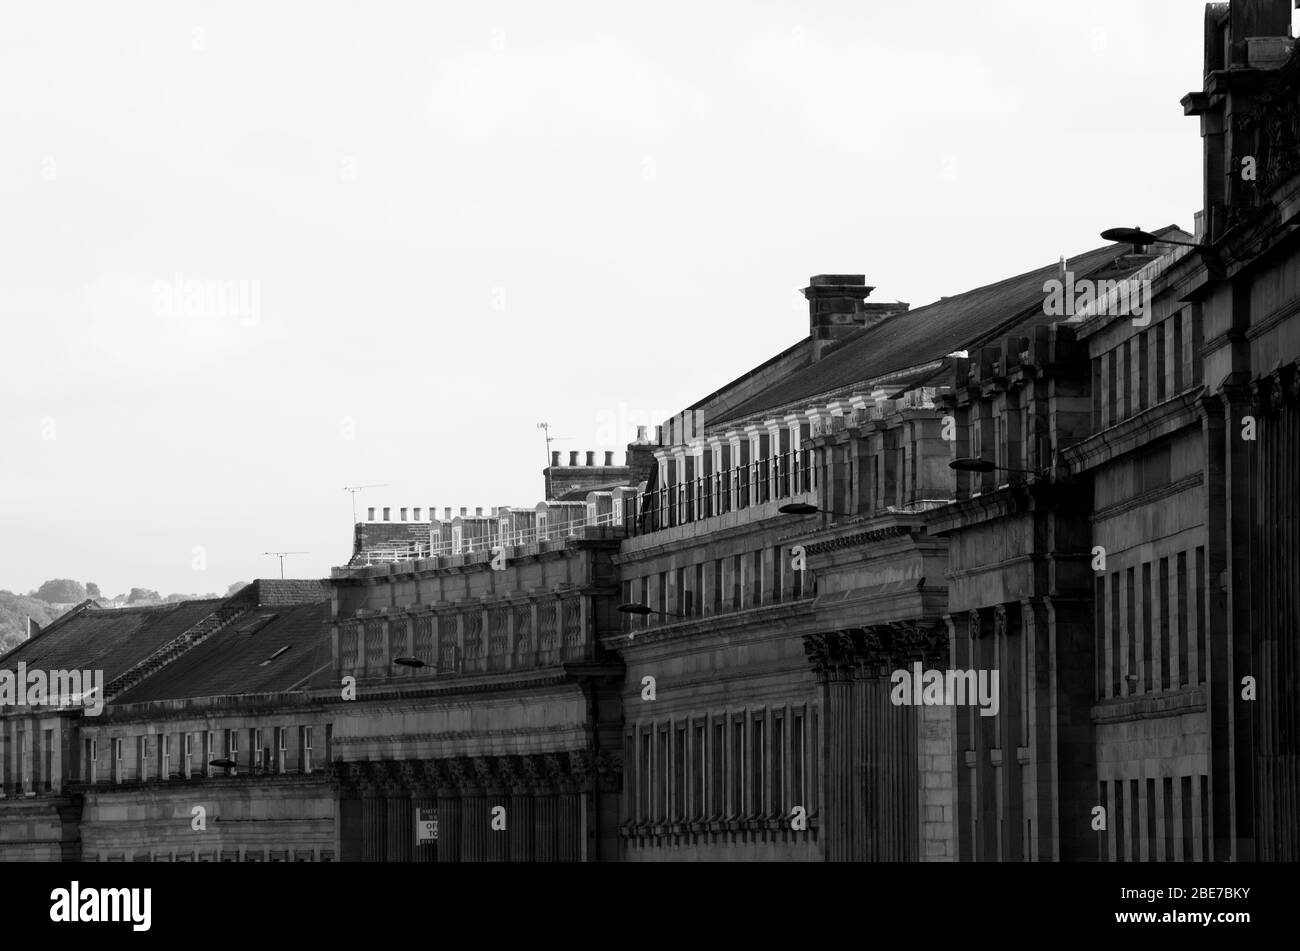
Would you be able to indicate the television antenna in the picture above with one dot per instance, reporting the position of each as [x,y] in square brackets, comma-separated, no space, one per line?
[281,554]
[354,489]
[546,428]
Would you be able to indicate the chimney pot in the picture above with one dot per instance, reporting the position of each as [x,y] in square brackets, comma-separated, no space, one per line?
[609,458]
[573,458]
[403,511]
[446,513]
[416,516]
[387,515]
[591,458]
[640,434]
[463,511]
[555,457]
[478,512]
[370,516]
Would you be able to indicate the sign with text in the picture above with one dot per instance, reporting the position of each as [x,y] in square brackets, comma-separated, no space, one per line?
[426,825]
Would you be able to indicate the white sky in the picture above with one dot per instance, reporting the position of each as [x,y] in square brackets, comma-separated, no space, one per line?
[460,220]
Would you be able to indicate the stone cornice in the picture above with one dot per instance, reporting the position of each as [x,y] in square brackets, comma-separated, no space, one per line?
[1137,432]
[859,539]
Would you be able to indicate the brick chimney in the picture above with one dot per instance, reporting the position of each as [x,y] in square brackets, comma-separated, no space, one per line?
[837,308]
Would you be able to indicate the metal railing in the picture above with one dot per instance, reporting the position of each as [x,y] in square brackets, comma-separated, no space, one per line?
[554,529]
[783,476]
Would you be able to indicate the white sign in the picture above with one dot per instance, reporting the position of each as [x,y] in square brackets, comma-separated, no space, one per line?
[426,825]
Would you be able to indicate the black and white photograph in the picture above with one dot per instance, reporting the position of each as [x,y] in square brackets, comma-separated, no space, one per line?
[779,434]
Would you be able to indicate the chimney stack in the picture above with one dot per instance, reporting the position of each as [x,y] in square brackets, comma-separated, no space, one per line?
[837,308]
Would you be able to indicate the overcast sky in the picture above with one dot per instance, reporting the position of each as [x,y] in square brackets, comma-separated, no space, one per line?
[445,223]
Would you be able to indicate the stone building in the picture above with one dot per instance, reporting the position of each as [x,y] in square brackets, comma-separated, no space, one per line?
[130,777]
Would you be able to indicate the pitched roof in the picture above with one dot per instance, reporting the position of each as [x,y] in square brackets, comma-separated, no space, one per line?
[267,650]
[928,334]
[111,640]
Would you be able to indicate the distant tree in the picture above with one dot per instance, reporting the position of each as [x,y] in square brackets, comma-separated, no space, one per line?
[173,598]
[92,590]
[142,594]
[236,587]
[61,591]
[15,609]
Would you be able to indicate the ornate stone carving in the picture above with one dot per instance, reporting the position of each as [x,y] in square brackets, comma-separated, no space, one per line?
[1000,620]
[557,767]
[458,773]
[973,623]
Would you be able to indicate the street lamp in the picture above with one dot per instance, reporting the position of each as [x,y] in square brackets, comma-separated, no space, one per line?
[803,508]
[972,464]
[1136,236]
[416,662]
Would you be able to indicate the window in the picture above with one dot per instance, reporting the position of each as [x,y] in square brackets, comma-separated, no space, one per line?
[777,802]
[164,755]
[662,779]
[758,762]
[232,748]
[304,741]
[798,787]
[680,761]
[735,582]
[118,771]
[90,761]
[47,761]
[697,595]
[646,785]
[188,752]
[1180,595]
[1162,384]
[1143,373]
[24,762]
[757,598]
[700,805]
[256,754]
[280,756]
[717,806]
[778,574]
[142,758]
[683,599]
[737,767]
[717,585]
[1202,609]
[209,752]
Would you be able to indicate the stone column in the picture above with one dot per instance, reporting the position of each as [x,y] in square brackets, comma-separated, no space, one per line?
[568,809]
[515,779]
[545,810]
[473,811]
[400,839]
[497,803]
[374,813]
[451,820]
[423,782]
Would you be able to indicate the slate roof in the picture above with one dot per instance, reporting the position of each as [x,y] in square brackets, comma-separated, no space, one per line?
[927,334]
[267,650]
[111,640]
